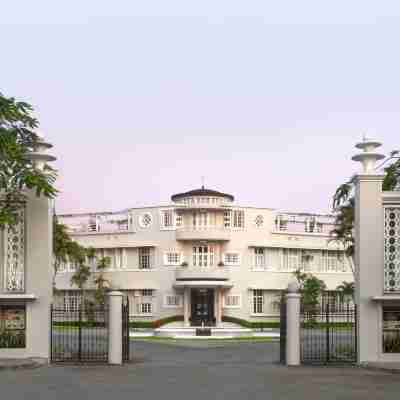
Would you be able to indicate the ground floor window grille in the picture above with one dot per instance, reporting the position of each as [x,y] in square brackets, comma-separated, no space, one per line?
[12,326]
[258,301]
[144,302]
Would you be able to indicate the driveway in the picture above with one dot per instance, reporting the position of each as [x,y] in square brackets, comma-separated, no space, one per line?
[199,370]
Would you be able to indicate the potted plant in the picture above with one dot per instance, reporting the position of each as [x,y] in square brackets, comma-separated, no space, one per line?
[221,264]
[184,264]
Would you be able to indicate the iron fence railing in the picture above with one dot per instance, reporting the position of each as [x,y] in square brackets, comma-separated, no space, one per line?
[328,330]
[79,336]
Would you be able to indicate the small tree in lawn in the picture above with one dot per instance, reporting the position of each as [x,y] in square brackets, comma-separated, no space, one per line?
[346,290]
[101,283]
[311,289]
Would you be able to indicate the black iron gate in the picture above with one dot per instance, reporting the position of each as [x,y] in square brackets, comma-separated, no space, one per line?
[125,330]
[328,331]
[79,335]
[283,329]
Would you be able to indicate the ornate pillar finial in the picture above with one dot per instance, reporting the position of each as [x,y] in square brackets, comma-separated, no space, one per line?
[39,155]
[368,157]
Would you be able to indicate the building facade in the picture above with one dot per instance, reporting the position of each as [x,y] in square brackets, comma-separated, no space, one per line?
[203,257]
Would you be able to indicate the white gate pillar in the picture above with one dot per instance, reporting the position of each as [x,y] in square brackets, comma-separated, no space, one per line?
[369,235]
[115,327]
[186,306]
[293,325]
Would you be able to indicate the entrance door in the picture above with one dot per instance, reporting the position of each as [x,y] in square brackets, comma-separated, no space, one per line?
[202,301]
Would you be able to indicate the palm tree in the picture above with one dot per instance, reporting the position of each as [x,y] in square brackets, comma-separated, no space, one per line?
[343,205]
[346,289]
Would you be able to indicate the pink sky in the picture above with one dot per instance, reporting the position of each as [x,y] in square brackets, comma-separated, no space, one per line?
[142,100]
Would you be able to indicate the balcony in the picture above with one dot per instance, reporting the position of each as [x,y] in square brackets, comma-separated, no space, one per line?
[202,274]
[203,233]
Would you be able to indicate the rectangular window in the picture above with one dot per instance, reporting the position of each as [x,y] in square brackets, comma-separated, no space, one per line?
[167,219]
[391,329]
[291,259]
[143,302]
[227,219]
[258,301]
[238,219]
[172,258]
[332,261]
[232,258]
[144,258]
[259,257]
[203,256]
[145,308]
[271,302]
[12,326]
[118,257]
[200,219]
[62,267]
[178,220]
[173,301]
[281,223]
[72,301]
[232,301]
[73,266]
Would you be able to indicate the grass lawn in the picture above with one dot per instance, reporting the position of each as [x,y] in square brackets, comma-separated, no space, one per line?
[202,339]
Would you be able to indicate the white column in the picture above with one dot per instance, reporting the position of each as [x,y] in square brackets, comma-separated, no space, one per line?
[293,325]
[218,293]
[186,306]
[115,328]
[368,264]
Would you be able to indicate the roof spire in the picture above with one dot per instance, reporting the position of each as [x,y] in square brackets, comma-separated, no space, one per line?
[202,182]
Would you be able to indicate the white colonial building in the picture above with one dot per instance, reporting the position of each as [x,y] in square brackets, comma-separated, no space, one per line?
[204,257]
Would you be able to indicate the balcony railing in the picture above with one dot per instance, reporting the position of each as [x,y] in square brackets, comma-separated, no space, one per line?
[203,233]
[203,273]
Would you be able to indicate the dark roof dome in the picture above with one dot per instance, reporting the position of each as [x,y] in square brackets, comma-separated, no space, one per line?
[201,192]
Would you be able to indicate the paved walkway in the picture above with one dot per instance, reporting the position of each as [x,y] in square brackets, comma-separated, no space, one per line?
[13,363]
[199,370]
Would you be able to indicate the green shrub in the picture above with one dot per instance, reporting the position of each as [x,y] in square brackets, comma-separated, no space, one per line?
[156,323]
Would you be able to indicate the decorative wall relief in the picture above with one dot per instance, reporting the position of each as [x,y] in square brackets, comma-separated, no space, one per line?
[14,263]
[392,249]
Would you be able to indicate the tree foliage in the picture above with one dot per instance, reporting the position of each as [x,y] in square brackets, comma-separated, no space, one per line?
[310,288]
[17,138]
[346,289]
[343,204]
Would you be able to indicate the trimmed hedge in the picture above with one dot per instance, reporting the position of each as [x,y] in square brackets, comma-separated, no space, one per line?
[156,323]
[251,324]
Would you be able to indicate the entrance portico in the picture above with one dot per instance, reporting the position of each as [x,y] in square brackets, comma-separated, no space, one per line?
[202,302]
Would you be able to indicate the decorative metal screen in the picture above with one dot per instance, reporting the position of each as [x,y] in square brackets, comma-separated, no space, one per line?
[14,263]
[392,249]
